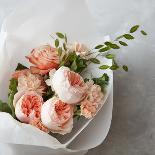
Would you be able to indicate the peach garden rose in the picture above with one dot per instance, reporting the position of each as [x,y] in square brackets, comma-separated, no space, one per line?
[44,58]
[68,85]
[27,106]
[57,116]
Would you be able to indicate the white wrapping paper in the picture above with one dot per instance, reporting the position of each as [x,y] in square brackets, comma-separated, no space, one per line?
[28,27]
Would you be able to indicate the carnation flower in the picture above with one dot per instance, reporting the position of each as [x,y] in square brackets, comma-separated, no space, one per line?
[44,58]
[89,106]
[31,82]
[57,116]
[27,106]
[68,85]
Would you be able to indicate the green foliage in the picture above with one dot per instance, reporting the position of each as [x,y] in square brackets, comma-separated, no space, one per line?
[110,56]
[60,35]
[111,45]
[4,107]
[74,62]
[86,80]
[125,68]
[134,28]
[104,49]
[104,67]
[56,43]
[20,67]
[95,60]
[49,93]
[123,43]
[102,81]
[12,91]
[128,36]
[143,32]
[65,38]
[59,51]
[64,46]
[77,113]
[114,67]
[98,46]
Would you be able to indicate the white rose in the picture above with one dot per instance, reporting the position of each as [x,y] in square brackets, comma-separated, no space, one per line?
[68,85]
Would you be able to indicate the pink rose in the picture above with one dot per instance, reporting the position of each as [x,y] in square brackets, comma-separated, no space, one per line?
[90,105]
[44,58]
[57,116]
[68,85]
[31,82]
[27,106]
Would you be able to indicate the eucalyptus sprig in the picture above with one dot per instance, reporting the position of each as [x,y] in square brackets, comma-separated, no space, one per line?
[103,49]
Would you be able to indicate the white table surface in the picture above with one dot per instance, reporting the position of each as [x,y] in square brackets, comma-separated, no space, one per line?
[133,124]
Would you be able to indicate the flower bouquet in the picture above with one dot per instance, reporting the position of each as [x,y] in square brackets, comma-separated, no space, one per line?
[55,91]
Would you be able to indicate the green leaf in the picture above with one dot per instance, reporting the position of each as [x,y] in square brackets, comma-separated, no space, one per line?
[134,28]
[104,49]
[20,67]
[12,91]
[56,43]
[64,46]
[72,56]
[125,68]
[107,43]
[114,67]
[65,38]
[143,32]
[59,51]
[86,80]
[104,67]
[60,35]
[110,56]
[111,45]
[99,46]
[95,61]
[123,43]
[77,113]
[128,36]
[49,94]
[102,81]
[13,85]
[114,46]
[105,77]
[74,66]
[4,107]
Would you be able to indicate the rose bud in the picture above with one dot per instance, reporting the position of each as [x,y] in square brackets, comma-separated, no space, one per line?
[44,59]
[57,116]
[68,85]
[81,49]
